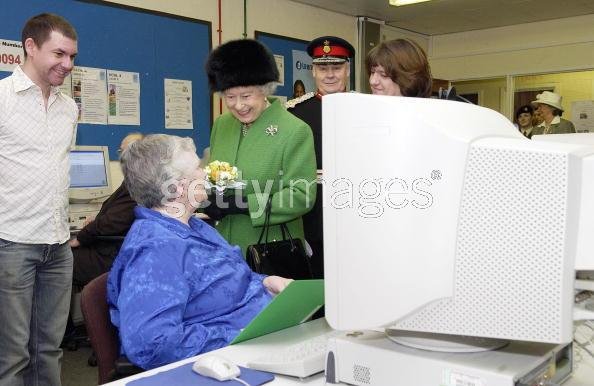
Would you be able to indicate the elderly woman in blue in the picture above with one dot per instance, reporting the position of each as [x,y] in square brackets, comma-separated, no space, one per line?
[177,288]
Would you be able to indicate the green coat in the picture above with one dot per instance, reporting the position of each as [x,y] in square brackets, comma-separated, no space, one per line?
[563,127]
[282,164]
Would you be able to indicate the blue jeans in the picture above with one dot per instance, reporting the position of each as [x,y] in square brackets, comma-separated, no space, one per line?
[35,284]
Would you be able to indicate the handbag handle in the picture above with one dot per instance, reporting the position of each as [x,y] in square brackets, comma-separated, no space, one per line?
[265,228]
[266,221]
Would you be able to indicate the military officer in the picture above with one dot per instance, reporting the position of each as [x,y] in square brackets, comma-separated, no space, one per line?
[331,68]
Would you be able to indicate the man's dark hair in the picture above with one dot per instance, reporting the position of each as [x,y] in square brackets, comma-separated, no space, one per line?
[41,26]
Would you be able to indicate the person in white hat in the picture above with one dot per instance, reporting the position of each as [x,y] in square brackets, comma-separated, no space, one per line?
[548,104]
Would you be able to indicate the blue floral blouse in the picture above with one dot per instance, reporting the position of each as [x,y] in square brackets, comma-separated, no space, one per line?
[176,291]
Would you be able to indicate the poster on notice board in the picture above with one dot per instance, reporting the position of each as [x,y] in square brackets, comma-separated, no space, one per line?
[582,116]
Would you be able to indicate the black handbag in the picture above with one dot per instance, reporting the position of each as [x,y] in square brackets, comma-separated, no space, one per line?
[286,258]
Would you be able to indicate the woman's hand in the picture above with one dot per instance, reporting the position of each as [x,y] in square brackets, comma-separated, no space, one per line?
[275,284]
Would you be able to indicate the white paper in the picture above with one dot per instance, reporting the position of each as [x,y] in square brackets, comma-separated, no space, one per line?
[582,116]
[178,104]
[66,87]
[11,54]
[123,98]
[280,64]
[89,90]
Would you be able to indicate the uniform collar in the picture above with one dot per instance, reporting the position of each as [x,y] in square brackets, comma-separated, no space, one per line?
[319,95]
[527,131]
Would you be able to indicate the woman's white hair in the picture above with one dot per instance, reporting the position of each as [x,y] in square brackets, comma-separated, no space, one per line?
[269,88]
[150,164]
[266,89]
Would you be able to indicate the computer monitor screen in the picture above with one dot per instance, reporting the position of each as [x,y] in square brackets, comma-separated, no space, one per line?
[89,173]
[440,217]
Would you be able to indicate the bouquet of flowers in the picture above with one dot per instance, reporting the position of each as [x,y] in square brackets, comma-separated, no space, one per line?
[221,175]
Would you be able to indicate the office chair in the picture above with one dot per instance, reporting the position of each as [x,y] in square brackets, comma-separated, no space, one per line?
[102,334]
[76,334]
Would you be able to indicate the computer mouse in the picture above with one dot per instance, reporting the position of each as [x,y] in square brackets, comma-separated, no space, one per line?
[216,367]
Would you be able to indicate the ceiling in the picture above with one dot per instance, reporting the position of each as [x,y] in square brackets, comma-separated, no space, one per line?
[439,17]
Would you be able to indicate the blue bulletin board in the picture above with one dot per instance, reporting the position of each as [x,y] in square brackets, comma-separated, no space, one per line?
[284,46]
[115,37]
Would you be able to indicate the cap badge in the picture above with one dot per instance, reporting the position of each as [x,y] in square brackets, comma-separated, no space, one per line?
[326,47]
[271,130]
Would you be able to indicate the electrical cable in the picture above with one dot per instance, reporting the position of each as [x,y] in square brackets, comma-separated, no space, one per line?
[241,381]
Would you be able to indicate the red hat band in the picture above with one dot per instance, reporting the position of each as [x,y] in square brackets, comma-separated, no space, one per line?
[327,50]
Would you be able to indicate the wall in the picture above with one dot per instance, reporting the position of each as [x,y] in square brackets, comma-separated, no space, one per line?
[544,47]
[391,33]
[573,86]
[532,48]
[492,92]
[275,17]
[281,17]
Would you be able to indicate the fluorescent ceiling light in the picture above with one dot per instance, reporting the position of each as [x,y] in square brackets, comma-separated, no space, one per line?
[398,3]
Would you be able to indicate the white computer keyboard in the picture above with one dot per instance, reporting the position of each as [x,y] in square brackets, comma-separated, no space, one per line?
[302,359]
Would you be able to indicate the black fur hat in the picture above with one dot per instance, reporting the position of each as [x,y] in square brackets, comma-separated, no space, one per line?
[244,62]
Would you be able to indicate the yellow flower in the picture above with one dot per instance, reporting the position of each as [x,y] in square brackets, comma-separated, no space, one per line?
[221,173]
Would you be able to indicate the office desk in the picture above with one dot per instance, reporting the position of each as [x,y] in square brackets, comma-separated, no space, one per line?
[242,353]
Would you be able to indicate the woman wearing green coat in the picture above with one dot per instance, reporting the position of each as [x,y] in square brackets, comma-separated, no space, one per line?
[272,149]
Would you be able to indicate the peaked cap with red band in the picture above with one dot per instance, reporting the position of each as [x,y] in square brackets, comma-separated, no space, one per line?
[330,49]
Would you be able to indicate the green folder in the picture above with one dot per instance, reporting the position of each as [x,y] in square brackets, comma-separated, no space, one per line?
[295,305]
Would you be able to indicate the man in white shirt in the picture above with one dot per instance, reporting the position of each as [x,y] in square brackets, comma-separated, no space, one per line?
[37,129]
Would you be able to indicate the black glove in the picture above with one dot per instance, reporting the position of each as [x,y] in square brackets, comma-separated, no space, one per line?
[219,206]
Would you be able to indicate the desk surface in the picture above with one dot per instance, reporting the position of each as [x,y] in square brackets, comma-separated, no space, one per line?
[242,353]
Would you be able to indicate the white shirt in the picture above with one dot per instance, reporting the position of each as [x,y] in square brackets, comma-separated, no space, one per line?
[34,163]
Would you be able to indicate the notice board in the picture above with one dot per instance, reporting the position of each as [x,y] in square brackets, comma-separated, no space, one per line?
[154,44]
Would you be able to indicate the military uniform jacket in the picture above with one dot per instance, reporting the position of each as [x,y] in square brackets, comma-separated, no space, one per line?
[308,108]
[563,126]
[276,158]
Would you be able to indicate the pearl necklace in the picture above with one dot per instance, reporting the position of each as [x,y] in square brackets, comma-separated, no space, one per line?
[246,126]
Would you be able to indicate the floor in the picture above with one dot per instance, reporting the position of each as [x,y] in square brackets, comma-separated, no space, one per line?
[75,369]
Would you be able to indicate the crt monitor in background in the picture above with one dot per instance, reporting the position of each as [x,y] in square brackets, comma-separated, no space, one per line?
[440,217]
[90,178]
[584,262]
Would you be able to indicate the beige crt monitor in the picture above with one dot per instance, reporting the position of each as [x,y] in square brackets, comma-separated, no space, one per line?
[584,261]
[441,218]
[585,248]
[90,177]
